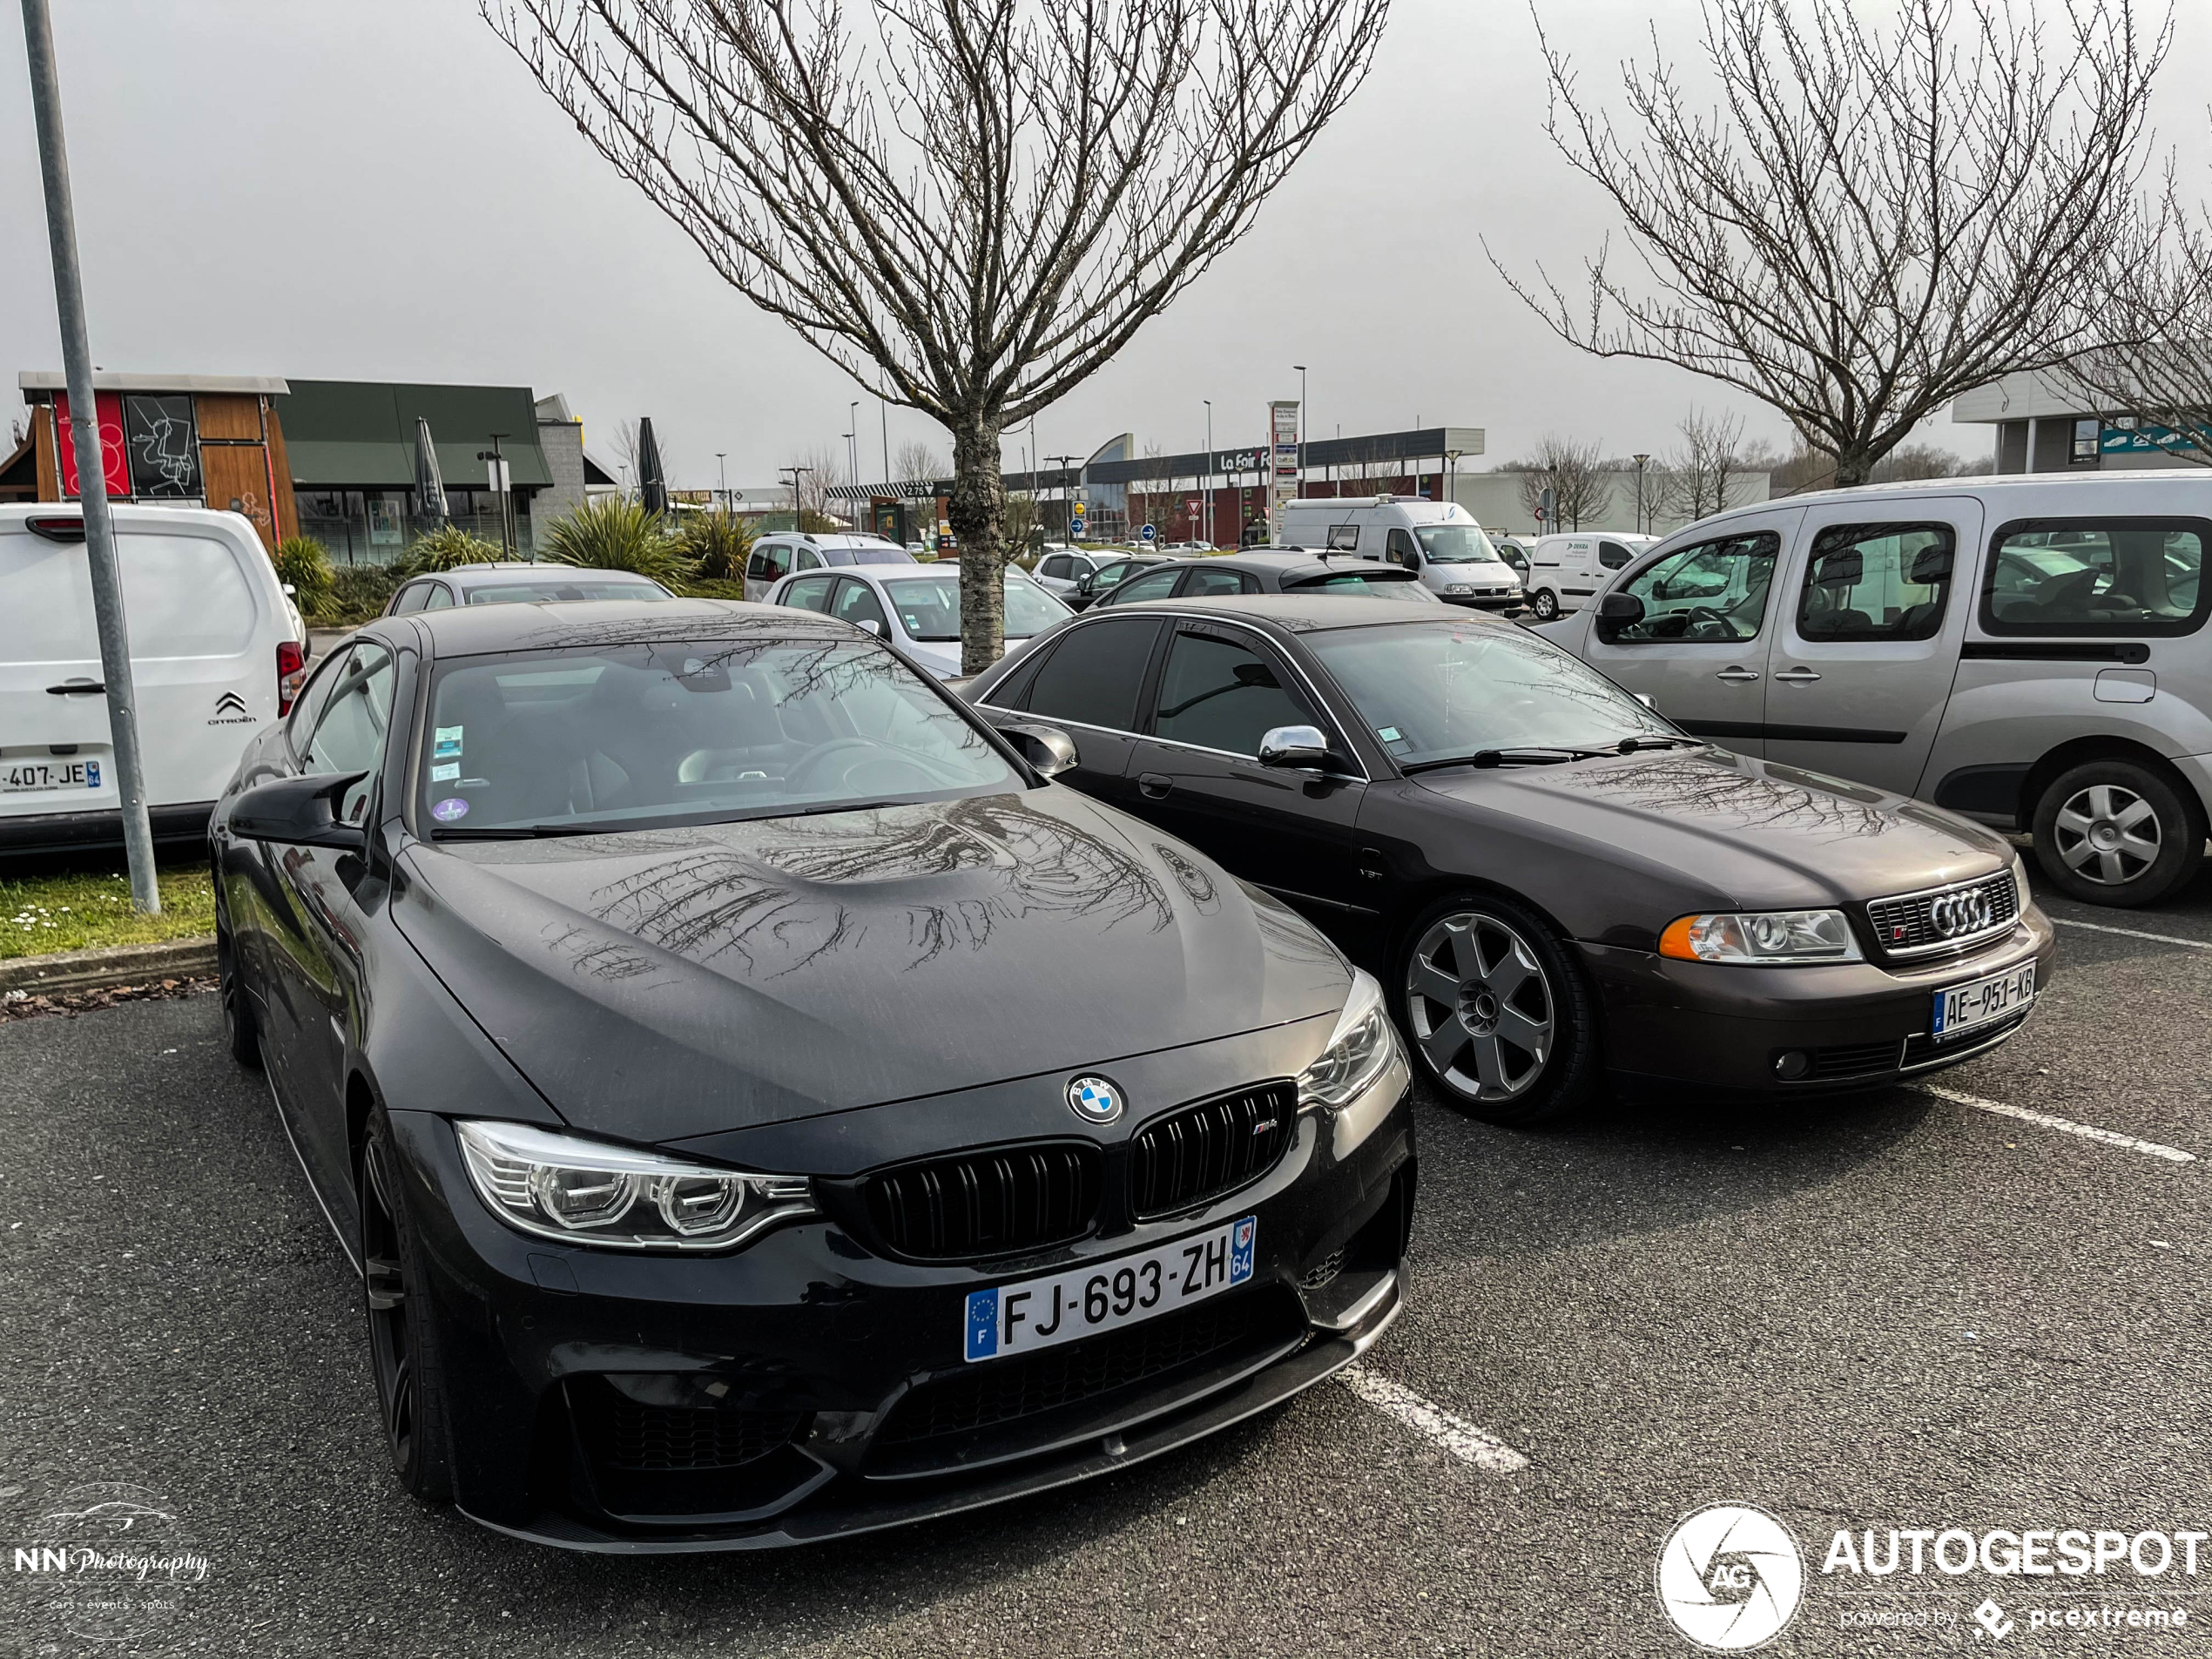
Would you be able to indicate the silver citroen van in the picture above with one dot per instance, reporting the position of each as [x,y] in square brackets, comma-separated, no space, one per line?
[2028,651]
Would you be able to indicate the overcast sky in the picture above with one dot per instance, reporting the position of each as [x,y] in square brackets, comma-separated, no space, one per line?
[378,191]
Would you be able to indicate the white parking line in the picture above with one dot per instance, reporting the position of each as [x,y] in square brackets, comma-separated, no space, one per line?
[1455,1434]
[2064,1125]
[2132,933]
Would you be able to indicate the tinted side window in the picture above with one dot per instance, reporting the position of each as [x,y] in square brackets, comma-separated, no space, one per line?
[1155,585]
[1613,555]
[1219,694]
[1200,581]
[350,735]
[411,598]
[769,560]
[2131,577]
[856,603]
[1860,581]
[1093,673]
[1714,590]
[806,560]
[1056,567]
[309,706]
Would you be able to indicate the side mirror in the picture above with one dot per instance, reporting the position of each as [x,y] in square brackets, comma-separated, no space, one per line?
[1649,701]
[873,626]
[1047,748]
[1616,611]
[1086,583]
[1298,748]
[1930,566]
[300,811]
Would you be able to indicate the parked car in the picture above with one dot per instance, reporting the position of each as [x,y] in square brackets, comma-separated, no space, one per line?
[1564,571]
[790,552]
[1060,570]
[1440,542]
[1111,567]
[1267,570]
[2027,651]
[515,582]
[1553,882]
[1514,555]
[917,610]
[217,649]
[669,1009]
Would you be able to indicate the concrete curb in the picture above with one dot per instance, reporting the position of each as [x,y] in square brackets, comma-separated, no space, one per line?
[95,970]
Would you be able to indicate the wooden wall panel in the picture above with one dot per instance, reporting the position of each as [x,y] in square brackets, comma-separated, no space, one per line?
[49,459]
[236,477]
[287,503]
[227,416]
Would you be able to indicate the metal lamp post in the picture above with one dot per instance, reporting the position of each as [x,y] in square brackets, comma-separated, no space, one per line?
[1211,539]
[721,479]
[1301,426]
[108,617]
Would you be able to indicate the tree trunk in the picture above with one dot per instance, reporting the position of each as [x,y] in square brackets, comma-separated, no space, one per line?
[1854,466]
[977,513]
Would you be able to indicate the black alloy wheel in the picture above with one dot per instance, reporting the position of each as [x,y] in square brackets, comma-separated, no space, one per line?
[241,1032]
[2118,833]
[1499,1016]
[402,1337]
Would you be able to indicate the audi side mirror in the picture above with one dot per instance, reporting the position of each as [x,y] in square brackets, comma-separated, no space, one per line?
[1616,611]
[1047,749]
[300,811]
[1296,748]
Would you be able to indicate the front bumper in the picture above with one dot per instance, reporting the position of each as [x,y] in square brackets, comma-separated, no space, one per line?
[583,1383]
[1671,1024]
[1497,599]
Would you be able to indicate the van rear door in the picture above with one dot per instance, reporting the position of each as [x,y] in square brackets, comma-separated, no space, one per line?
[204,629]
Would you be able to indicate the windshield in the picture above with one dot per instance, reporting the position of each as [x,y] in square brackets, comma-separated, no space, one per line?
[1456,544]
[929,607]
[1444,690]
[633,736]
[550,591]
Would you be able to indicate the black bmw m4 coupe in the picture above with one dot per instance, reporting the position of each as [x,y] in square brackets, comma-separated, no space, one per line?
[761,1104]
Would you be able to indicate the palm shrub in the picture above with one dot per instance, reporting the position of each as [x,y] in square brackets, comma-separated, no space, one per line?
[304,564]
[358,592]
[615,535]
[447,547]
[716,546]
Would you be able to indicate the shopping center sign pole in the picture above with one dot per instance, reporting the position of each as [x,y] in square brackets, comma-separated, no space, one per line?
[91,464]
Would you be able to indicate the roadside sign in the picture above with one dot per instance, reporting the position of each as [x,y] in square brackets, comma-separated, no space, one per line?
[1149,534]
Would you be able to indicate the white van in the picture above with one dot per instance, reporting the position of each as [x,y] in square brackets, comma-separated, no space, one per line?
[1564,570]
[1440,539]
[216,653]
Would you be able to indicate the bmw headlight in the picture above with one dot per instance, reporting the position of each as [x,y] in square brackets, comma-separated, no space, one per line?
[1762,938]
[587,1192]
[1359,1050]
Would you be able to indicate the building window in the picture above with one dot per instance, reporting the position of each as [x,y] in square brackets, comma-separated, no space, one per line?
[2086,435]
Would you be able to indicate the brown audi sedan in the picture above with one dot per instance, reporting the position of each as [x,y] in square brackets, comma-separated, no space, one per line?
[1555,883]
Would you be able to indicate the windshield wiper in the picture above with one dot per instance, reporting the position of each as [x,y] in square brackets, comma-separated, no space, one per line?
[1629,745]
[1532,755]
[526,832]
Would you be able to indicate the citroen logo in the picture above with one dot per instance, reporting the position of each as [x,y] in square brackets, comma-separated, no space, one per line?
[230,703]
[1956,914]
[1093,1100]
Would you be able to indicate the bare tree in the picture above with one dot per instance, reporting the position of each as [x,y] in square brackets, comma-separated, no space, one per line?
[1870,223]
[1575,475]
[2150,372]
[1697,475]
[918,462]
[969,205]
[811,476]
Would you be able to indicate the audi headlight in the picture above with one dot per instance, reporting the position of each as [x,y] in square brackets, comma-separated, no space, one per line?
[1360,1051]
[1762,938]
[587,1192]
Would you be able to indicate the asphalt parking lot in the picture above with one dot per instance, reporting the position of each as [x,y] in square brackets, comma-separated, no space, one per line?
[1901,1311]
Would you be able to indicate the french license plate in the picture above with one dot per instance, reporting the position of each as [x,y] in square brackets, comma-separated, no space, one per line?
[1042,1312]
[24,777]
[1963,1007]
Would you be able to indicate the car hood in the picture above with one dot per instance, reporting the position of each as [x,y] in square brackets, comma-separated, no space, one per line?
[673,983]
[1750,834]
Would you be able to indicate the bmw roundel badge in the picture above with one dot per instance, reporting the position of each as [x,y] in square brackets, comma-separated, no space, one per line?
[1094,1099]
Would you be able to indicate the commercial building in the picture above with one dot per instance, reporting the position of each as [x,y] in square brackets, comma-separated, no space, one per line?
[334,459]
[2041,425]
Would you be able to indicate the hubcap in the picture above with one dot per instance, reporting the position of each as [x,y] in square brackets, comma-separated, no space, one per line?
[2108,835]
[1480,1007]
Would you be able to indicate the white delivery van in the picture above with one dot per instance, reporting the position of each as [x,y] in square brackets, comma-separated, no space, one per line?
[216,653]
[1440,539]
[1565,570]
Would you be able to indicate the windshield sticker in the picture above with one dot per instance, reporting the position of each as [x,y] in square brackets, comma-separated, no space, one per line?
[449,809]
[446,743]
[445,773]
[1388,734]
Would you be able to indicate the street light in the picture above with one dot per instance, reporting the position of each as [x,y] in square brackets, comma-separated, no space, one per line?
[852,440]
[722,478]
[1212,540]
[1066,517]
[1641,462]
[796,473]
